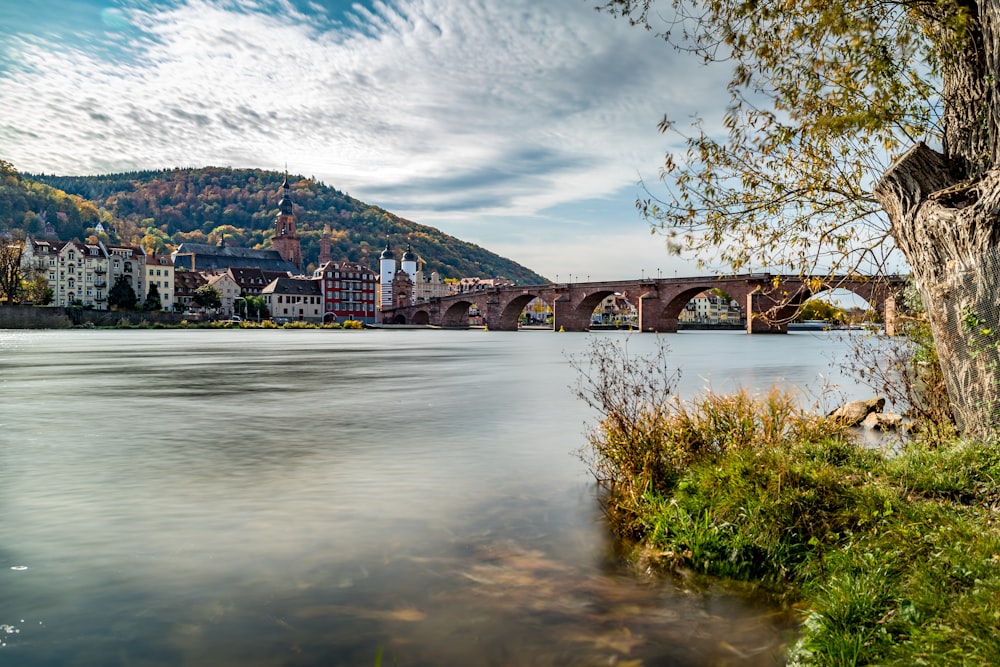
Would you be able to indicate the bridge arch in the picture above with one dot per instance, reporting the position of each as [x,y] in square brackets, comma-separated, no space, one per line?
[457,314]
[585,309]
[511,312]
[676,305]
[421,317]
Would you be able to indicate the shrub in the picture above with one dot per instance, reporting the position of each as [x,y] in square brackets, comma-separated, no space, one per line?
[647,435]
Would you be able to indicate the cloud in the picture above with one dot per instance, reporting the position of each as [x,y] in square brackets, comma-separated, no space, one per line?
[427,107]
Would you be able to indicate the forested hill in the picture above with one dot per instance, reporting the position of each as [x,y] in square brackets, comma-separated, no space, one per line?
[162,209]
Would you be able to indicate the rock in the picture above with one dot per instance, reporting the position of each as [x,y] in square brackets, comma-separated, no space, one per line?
[883,421]
[855,412]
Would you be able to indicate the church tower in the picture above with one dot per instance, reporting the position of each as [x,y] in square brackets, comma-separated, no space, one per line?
[324,247]
[286,241]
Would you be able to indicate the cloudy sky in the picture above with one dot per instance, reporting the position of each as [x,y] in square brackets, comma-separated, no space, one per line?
[522,125]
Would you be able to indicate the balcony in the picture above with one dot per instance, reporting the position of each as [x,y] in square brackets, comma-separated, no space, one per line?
[100,283]
[100,270]
[99,299]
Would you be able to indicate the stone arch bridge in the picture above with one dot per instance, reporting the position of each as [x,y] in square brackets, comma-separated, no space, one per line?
[769,301]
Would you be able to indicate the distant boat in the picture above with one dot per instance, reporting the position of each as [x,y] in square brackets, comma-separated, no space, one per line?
[811,325]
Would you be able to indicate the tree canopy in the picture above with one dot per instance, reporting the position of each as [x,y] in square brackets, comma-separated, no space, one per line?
[161,209]
[822,95]
[208,296]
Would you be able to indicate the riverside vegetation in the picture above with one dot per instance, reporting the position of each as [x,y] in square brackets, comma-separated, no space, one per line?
[892,556]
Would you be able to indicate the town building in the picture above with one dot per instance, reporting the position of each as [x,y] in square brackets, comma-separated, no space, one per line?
[616,309]
[77,273]
[294,299]
[127,262]
[466,285]
[710,308]
[228,289]
[349,292]
[185,285]
[160,272]
[427,287]
[208,257]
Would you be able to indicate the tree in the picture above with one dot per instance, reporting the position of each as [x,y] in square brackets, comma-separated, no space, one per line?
[816,309]
[207,296]
[122,295]
[11,269]
[37,291]
[820,94]
[152,298]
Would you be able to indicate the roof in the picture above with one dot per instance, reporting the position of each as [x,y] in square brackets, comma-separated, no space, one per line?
[214,258]
[188,281]
[254,276]
[297,286]
[343,265]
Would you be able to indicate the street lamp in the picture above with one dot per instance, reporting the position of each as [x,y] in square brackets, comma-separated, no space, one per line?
[643,274]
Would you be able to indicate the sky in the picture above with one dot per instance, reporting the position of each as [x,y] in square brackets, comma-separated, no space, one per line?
[525,126]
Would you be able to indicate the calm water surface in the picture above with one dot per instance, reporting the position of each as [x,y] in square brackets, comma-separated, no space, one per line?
[303,498]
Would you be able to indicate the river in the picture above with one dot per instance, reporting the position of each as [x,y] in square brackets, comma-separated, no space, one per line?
[314,497]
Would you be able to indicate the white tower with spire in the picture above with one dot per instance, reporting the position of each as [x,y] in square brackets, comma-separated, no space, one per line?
[409,263]
[387,269]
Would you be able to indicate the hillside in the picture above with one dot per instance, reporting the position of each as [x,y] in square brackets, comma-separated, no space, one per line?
[162,209]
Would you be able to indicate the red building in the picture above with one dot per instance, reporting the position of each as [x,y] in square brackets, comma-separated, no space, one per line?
[348,292]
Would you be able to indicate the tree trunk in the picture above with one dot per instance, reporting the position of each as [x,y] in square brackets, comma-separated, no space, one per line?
[950,234]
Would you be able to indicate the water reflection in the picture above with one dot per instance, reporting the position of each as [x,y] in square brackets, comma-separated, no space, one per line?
[305,498]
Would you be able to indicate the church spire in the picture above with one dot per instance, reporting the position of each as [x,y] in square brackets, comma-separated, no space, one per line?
[286,241]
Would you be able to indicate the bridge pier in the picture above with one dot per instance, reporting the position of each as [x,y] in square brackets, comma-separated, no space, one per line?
[651,317]
[765,314]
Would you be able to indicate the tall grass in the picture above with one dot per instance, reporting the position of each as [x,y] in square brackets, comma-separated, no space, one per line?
[647,436]
[893,558]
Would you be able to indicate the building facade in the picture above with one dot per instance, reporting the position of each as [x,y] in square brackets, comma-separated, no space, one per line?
[160,272]
[294,299]
[349,292]
[228,290]
[77,273]
[129,263]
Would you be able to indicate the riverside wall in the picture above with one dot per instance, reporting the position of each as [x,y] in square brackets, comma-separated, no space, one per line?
[38,317]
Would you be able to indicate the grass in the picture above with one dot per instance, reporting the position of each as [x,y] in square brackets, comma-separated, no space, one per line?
[894,557]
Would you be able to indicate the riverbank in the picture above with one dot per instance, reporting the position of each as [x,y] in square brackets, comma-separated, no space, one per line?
[893,557]
[31,317]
